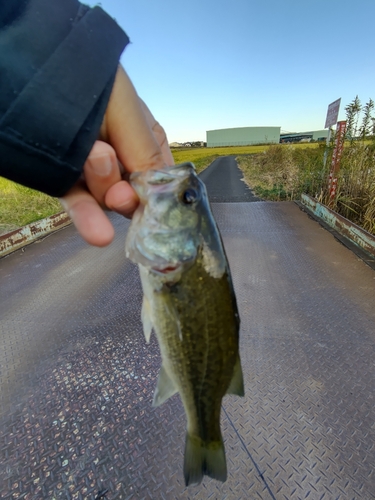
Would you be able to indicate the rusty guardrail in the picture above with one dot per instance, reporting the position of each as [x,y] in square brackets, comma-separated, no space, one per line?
[23,236]
[345,227]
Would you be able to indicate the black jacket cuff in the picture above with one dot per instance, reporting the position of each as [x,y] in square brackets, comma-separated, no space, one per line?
[49,129]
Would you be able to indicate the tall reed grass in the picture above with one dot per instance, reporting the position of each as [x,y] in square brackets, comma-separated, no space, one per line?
[284,172]
[355,198]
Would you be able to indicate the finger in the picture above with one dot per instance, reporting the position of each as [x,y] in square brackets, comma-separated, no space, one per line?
[87,216]
[125,127]
[101,170]
[159,134]
[103,179]
[122,198]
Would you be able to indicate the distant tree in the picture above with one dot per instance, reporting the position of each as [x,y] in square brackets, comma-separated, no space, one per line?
[366,120]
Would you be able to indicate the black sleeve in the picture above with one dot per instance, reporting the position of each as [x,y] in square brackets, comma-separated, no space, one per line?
[58,60]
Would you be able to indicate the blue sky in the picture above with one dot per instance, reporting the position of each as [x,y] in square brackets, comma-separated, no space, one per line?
[202,65]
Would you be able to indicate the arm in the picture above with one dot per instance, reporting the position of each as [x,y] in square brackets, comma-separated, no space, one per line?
[62,76]
[58,61]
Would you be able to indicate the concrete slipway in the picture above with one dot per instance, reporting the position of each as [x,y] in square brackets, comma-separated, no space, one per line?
[77,377]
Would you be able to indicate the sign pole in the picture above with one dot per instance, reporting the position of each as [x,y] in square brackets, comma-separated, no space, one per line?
[327,146]
[331,119]
[336,157]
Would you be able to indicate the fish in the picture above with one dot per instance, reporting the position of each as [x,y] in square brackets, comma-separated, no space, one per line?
[190,304]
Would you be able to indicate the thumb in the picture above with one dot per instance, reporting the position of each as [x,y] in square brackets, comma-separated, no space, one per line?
[125,127]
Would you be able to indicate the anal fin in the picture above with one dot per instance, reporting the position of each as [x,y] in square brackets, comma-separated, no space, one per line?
[165,388]
[236,385]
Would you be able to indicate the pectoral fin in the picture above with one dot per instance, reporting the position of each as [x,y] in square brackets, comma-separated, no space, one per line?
[165,388]
[172,313]
[236,385]
[146,318]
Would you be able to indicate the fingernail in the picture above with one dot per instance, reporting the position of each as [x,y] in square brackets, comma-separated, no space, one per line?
[101,165]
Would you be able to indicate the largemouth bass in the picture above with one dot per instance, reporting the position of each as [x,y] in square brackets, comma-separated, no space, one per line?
[189,301]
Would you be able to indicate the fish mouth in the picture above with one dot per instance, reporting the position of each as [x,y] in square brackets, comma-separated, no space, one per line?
[167,269]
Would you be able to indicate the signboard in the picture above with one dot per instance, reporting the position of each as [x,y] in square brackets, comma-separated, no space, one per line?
[336,157]
[332,113]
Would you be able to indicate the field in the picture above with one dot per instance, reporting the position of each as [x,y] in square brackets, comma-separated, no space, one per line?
[202,157]
[20,205]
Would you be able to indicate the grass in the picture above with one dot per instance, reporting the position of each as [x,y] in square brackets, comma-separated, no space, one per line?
[202,157]
[284,172]
[355,198]
[20,205]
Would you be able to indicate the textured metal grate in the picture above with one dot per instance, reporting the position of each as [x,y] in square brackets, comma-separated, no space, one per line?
[77,377]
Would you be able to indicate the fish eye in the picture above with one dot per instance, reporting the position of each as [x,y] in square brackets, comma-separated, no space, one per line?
[189,196]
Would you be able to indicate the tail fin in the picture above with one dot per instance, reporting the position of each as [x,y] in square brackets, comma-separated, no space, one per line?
[204,459]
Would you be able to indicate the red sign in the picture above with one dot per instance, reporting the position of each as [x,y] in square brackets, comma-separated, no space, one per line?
[336,157]
[332,113]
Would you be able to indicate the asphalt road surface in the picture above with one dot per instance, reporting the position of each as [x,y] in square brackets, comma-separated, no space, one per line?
[224,182]
[77,376]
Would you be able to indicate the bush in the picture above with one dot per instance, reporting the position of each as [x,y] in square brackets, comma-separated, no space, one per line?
[284,172]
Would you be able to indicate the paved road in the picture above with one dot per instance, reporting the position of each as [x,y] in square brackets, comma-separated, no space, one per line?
[224,182]
[77,376]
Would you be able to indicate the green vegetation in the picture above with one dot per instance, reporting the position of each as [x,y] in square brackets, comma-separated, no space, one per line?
[284,172]
[353,113]
[20,205]
[274,172]
[355,197]
[202,157]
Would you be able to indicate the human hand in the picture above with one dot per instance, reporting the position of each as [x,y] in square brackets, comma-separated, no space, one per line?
[131,140]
